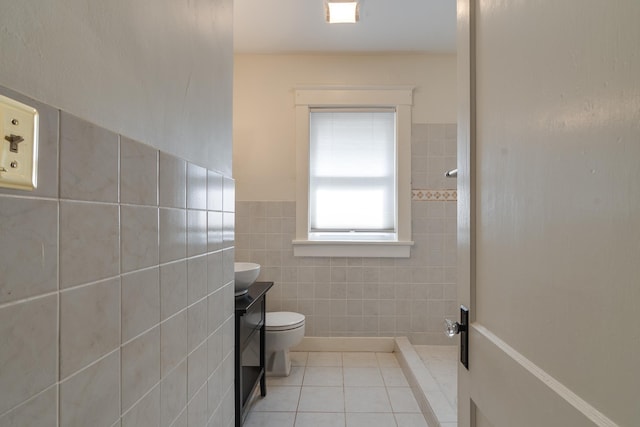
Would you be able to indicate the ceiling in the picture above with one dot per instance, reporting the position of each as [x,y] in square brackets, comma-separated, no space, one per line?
[293,26]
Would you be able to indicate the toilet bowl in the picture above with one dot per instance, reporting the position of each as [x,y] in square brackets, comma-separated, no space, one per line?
[283,330]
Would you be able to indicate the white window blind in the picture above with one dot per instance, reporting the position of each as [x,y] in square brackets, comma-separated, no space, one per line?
[352,173]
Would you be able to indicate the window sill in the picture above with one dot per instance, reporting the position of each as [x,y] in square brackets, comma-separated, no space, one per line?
[369,249]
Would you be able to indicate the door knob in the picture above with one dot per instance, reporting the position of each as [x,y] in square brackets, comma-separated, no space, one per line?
[453,328]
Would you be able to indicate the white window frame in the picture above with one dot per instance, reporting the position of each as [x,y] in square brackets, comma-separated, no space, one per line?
[399,98]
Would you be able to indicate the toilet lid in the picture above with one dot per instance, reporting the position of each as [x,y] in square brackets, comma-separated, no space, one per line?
[283,320]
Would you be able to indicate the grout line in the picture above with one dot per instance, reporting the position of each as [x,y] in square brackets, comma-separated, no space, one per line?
[94,362]
[30,299]
[30,399]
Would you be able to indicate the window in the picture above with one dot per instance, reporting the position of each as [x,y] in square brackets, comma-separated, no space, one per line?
[353,183]
[352,174]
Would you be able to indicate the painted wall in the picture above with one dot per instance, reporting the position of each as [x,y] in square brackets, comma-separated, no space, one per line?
[264,114]
[348,296]
[116,295]
[157,71]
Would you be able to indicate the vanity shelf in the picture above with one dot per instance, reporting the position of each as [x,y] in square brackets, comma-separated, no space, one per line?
[249,347]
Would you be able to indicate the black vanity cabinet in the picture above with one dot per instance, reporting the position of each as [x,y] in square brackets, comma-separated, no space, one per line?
[249,350]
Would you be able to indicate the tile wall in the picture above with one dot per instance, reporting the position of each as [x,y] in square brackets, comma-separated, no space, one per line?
[116,294]
[367,296]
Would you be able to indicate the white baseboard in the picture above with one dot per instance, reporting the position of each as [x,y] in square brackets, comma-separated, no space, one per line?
[369,344]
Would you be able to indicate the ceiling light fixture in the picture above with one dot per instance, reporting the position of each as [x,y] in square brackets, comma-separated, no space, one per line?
[342,12]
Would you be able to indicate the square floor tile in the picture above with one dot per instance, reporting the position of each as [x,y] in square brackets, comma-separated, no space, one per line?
[360,360]
[324,359]
[298,358]
[278,399]
[270,419]
[411,420]
[402,399]
[370,420]
[366,399]
[394,377]
[323,376]
[387,360]
[363,377]
[322,399]
[318,419]
[294,378]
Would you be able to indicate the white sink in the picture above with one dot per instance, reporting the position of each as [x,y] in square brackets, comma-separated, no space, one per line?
[245,274]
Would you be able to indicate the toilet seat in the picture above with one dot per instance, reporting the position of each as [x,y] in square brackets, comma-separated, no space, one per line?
[283,321]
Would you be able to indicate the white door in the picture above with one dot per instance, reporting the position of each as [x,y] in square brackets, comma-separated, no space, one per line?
[549,212]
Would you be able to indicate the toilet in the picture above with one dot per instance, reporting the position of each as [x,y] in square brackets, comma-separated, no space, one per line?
[283,330]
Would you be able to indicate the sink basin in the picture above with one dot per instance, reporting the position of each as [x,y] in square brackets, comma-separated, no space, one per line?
[245,274]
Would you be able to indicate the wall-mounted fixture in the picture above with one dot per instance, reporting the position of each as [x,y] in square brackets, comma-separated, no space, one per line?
[342,12]
[18,145]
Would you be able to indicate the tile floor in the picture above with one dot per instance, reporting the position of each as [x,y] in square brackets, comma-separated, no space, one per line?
[338,390]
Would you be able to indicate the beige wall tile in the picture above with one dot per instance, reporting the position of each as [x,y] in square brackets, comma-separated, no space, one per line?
[196,232]
[214,351]
[173,342]
[28,354]
[228,226]
[196,370]
[227,407]
[89,242]
[89,324]
[228,259]
[182,420]
[197,287]
[214,391]
[173,288]
[215,272]
[214,227]
[228,340]
[214,191]
[197,324]
[215,312]
[228,195]
[173,394]
[172,184]
[140,367]
[140,302]
[196,187]
[92,397]
[139,237]
[146,413]
[88,161]
[173,234]
[29,249]
[138,173]
[39,411]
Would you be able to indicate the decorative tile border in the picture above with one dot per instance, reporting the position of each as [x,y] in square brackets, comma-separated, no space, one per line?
[434,195]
